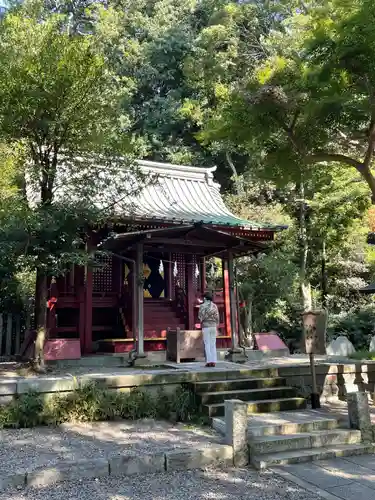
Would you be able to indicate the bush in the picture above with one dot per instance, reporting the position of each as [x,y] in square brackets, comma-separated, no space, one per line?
[357,325]
[92,403]
[363,355]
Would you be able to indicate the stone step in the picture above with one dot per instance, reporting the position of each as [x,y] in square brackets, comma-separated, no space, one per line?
[307,423]
[262,406]
[230,375]
[246,383]
[296,456]
[208,398]
[290,422]
[303,441]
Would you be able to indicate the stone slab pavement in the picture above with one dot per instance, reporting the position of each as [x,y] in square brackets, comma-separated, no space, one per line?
[350,478]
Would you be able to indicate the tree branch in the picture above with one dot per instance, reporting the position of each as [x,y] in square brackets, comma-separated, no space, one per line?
[327,157]
[294,121]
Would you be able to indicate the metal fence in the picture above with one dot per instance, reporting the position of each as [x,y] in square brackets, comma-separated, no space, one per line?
[11,334]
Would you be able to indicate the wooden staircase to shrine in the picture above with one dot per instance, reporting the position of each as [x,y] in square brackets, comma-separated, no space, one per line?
[159,315]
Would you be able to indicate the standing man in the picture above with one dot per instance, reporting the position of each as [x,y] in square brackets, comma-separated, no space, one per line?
[209,318]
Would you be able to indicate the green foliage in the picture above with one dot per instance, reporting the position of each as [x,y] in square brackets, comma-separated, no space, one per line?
[186,406]
[356,323]
[92,403]
[363,355]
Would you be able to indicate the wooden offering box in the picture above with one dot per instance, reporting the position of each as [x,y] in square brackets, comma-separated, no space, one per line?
[184,344]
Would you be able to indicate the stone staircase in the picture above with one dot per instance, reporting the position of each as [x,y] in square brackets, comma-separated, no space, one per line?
[280,429]
[266,394]
[297,436]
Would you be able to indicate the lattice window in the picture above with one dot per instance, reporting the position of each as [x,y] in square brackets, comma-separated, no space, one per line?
[179,280]
[102,275]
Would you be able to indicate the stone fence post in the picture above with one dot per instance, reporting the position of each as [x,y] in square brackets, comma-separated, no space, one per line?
[236,421]
[359,415]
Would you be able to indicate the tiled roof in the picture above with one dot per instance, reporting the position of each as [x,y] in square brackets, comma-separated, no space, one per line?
[181,194]
[186,194]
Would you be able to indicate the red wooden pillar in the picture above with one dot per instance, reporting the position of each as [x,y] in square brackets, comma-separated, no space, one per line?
[226,293]
[203,275]
[51,306]
[140,311]
[82,319]
[87,306]
[169,281]
[233,303]
[190,291]
[87,344]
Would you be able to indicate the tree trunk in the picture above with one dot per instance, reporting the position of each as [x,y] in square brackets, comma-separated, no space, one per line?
[246,329]
[237,180]
[305,286]
[324,275]
[40,318]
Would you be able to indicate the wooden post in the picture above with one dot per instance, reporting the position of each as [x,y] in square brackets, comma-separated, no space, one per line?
[189,291]
[52,316]
[87,344]
[1,334]
[8,339]
[233,308]
[18,335]
[227,322]
[315,397]
[169,278]
[140,319]
[82,309]
[203,274]
[134,294]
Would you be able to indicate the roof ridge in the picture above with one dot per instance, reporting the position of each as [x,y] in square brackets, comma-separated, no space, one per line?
[169,168]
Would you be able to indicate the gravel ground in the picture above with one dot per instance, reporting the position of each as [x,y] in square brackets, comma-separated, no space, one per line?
[27,449]
[229,484]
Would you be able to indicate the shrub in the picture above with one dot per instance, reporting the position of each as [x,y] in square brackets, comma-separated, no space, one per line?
[360,355]
[358,325]
[91,403]
[185,405]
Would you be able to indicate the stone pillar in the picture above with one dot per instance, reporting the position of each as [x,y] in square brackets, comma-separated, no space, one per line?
[359,414]
[236,431]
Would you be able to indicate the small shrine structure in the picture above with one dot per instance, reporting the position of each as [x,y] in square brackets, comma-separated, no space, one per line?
[151,269]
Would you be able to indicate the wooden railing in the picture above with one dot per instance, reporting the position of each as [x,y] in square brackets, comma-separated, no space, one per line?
[11,334]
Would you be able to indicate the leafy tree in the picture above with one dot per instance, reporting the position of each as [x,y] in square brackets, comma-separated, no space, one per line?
[60,99]
[309,101]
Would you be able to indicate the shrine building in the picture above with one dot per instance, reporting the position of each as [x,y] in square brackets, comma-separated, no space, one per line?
[151,269]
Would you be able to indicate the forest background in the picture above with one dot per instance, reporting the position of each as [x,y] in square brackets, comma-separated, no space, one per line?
[278,94]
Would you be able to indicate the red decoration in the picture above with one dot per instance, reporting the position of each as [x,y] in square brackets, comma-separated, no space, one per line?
[51,303]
